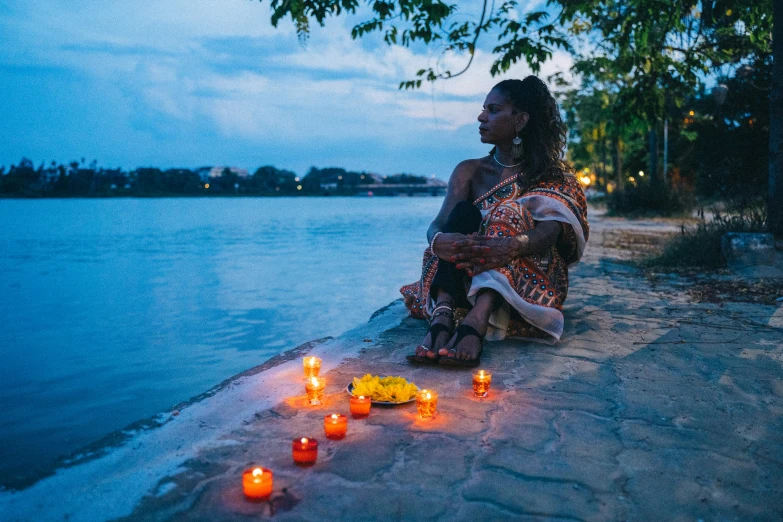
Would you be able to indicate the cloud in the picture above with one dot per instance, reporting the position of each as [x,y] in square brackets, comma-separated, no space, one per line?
[212,77]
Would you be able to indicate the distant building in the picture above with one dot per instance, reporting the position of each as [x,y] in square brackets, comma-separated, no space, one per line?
[207,173]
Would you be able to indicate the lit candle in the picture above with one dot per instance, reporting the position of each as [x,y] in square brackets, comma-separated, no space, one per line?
[426,402]
[335,426]
[312,366]
[257,483]
[481,381]
[305,451]
[314,387]
[360,406]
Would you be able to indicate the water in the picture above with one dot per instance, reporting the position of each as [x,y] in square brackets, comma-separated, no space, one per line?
[114,310]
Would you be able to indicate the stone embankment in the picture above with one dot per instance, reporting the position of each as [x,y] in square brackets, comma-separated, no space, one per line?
[653,407]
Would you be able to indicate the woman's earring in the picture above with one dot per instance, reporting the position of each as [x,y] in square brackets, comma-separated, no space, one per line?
[517,150]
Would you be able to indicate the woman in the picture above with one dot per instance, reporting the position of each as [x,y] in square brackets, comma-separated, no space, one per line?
[510,225]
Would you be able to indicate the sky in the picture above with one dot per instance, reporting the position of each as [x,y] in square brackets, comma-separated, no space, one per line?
[190,83]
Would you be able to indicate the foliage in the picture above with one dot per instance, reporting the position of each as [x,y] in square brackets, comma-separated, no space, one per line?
[77,179]
[650,198]
[701,246]
[405,179]
[533,37]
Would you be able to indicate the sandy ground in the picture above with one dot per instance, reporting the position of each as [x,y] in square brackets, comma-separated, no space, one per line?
[653,407]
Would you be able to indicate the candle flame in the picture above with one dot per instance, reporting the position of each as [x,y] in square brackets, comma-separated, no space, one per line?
[335,416]
[304,440]
[258,472]
[481,373]
[429,395]
[314,381]
[361,397]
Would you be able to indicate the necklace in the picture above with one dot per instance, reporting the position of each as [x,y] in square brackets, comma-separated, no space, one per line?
[495,157]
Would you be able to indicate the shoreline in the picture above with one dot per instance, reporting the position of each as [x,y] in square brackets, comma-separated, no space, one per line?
[652,393]
[141,449]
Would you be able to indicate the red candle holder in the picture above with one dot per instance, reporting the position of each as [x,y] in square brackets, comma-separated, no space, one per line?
[304,451]
[360,406]
[335,426]
[257,483]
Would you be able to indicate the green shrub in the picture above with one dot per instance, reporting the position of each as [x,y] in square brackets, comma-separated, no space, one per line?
[650,199]
[700,247]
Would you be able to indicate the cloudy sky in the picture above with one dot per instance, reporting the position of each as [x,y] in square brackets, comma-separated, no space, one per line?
[186,83]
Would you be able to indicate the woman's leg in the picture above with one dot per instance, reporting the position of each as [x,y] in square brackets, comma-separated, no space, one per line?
[448,285]
[468,348]
[504,220]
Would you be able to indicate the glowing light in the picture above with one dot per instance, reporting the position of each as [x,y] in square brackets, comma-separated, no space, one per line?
[587,169]
[299,187]
[641,173]
[296,179]
[206,186]
[691,113]
[258,472]
[585,180]
[339,177]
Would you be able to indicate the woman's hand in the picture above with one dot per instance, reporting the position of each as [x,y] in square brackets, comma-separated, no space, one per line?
[478,253]
[445,245]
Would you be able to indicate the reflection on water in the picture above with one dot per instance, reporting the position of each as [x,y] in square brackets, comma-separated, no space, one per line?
[114,310]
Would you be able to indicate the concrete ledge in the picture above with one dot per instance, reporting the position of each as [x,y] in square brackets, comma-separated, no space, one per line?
[752,255]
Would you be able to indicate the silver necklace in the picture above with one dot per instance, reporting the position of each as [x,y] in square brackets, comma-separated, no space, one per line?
[495,157]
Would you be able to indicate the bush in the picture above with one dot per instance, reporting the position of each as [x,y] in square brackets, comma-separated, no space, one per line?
[700,247]
[650,198]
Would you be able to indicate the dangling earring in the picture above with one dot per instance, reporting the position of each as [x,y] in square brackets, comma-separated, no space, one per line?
[517,150]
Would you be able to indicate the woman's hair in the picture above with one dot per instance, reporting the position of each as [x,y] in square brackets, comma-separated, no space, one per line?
[544,136]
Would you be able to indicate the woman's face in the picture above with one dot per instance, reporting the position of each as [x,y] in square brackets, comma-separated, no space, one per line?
[499,121]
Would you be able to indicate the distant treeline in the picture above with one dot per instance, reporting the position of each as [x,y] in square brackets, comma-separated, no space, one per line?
[79,179]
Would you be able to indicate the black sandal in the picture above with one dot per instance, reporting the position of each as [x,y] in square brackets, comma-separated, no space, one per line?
[434,330]
[464,330]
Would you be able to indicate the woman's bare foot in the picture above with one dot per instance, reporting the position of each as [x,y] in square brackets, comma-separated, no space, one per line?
[429,347]
[469,346]
[443,314]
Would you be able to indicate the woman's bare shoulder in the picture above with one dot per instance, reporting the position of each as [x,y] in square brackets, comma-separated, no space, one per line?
[468,168]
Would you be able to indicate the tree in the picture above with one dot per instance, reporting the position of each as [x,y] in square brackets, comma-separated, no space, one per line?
[657,52]
[775,190]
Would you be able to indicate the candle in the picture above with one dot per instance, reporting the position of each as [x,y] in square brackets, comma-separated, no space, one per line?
[426,402]
[305,451]
[360,406]
[314,387]
[335,426]
[312,366]
[481,381]
[257,483]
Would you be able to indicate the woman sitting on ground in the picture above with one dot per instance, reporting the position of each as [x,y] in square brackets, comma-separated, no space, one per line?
[510,225]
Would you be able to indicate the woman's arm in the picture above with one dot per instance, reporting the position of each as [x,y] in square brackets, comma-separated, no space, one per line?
[480,253]
[539,239]
[457,190]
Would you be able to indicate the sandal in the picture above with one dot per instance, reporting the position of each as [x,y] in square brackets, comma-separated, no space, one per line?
[434,330]
[464,330]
